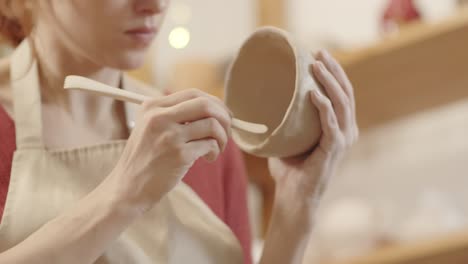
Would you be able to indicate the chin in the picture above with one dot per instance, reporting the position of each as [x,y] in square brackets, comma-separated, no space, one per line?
[131,61]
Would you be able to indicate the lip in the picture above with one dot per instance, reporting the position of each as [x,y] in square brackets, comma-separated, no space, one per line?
[141,30]
[141,35]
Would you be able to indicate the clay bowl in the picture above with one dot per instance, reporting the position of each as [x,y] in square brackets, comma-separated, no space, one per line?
[269,82]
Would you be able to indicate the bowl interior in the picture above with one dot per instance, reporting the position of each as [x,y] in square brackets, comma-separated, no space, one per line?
[261,83]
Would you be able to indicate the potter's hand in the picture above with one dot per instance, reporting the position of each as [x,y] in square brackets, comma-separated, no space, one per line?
[305,177]
[300,181]
[171,133]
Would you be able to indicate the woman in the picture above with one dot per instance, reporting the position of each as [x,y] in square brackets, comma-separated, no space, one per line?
[80,193]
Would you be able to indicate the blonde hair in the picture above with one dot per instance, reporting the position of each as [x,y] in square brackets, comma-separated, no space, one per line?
[15,20]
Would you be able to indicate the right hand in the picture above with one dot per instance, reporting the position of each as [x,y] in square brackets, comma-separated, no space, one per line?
[171,133]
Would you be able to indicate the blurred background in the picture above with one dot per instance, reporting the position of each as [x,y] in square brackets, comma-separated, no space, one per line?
[402,192]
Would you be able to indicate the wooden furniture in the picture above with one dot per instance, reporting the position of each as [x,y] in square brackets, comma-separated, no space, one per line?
[450,249]
[272,13]
[423,67]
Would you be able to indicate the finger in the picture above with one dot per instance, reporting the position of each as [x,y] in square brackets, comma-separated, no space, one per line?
[333,65]
[335,68]
[200,108]
[182,96]
[328,121]
[207,148]
[205,129]
[336,94]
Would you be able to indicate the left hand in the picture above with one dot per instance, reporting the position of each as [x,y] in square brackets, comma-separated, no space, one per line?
[304,178]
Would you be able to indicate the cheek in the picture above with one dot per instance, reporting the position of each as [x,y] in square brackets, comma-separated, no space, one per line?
[107,48]
[94,29]
[98,43]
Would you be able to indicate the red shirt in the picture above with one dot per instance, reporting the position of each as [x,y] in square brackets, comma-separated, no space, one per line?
[221,185]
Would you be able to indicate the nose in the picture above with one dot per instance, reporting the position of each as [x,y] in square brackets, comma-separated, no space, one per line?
[151,7]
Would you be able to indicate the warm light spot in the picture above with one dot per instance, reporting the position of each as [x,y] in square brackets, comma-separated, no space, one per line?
[179,38]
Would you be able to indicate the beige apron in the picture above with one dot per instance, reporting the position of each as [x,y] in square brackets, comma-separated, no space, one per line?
[180,229]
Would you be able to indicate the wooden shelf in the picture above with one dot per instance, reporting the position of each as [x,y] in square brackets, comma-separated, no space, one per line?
[451,249]
[412,34]
[423,67]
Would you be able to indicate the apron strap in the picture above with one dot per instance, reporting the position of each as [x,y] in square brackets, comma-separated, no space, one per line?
[26,97]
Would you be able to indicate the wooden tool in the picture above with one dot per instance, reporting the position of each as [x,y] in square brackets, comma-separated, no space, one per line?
[88,85]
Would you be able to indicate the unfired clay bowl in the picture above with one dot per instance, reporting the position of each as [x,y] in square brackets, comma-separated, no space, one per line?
[269,83]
